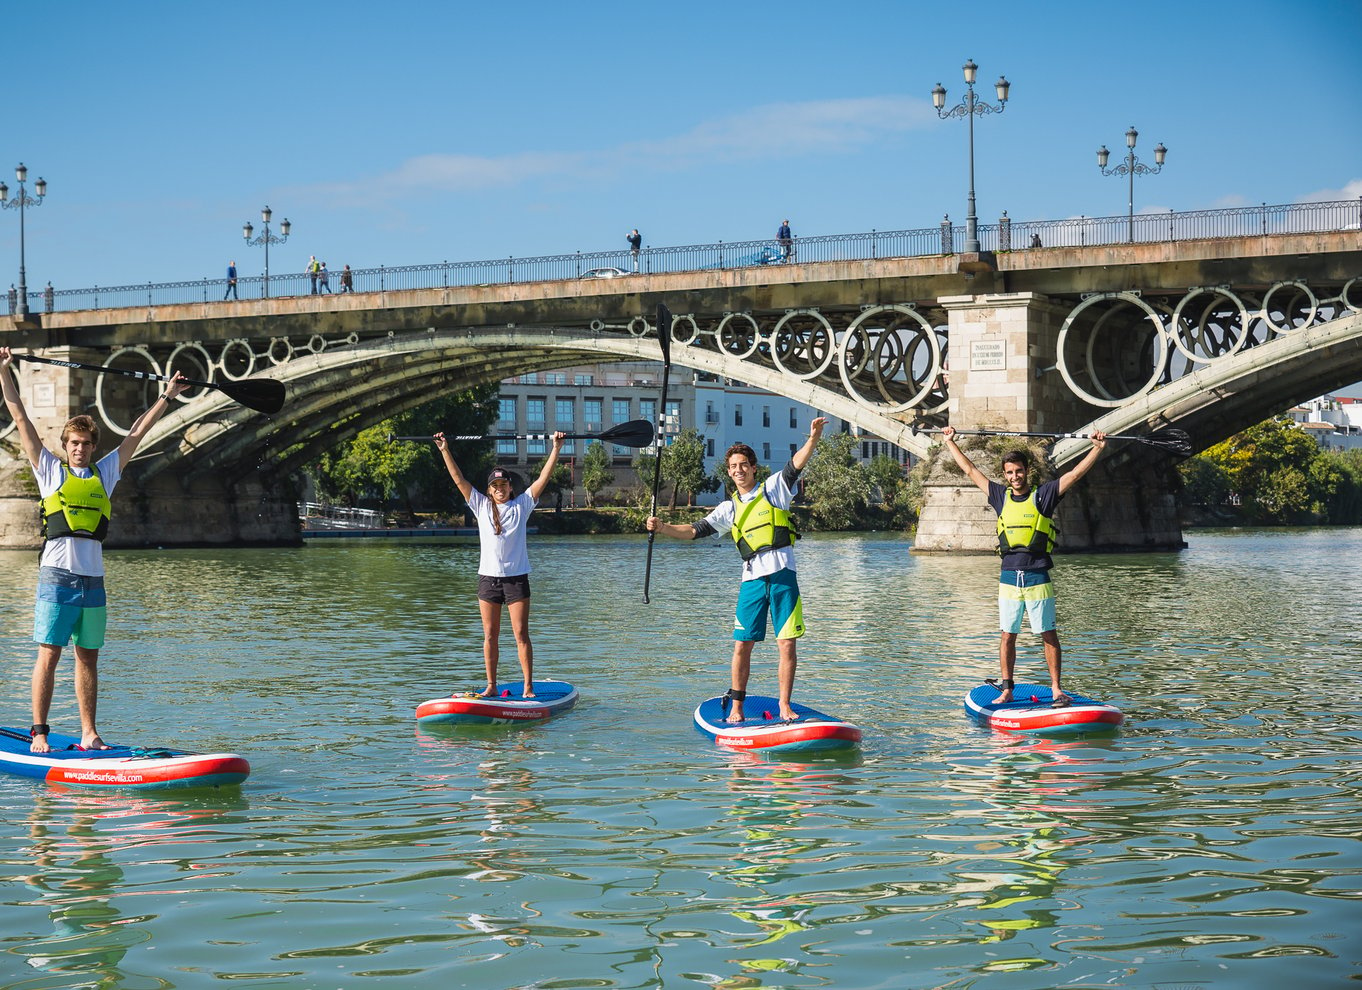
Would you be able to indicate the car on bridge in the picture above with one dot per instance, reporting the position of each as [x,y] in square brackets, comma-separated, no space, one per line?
[605,273]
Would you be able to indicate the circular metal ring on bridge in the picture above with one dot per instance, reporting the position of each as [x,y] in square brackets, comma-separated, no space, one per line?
[803,343]
[237,360]
[685,339]
[1345,295]
[279,351]
[639,327]
[133,394]
[738,335]
[894,350]
[316,343]
[193,359]
[1125,353]
[940,395]
[352,338]
[1214,336]
[1305,314]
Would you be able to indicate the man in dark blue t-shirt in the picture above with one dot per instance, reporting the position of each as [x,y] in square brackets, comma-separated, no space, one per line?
[1026,535]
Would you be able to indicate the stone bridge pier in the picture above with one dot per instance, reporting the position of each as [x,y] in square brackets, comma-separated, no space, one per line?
[152,501]
[1002,376]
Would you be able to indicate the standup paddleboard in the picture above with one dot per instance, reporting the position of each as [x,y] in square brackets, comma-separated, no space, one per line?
[764,730]
[140,767]
[1030,711]
[507,708]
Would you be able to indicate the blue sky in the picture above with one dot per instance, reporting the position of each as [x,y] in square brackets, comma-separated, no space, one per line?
[410,133]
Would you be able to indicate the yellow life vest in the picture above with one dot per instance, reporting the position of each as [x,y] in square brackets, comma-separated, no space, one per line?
[80,507]
[761,526]
[1022,527]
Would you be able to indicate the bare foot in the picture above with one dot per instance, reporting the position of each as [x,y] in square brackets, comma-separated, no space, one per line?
[93,742]
[528,694]
[788,715]
[39,745]
[736,715]
[1058,699]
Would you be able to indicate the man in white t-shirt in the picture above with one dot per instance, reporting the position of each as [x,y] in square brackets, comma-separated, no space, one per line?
[758,518]
[75,507]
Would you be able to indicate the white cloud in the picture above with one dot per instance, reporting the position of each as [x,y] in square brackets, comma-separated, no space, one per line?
[1351,190]
[783,129]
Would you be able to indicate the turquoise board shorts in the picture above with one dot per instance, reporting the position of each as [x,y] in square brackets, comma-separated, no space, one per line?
[1029,593]
[69,606]
[776,597]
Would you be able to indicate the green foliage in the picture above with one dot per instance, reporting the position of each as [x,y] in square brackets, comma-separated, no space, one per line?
[836,485]
[683,465]
[1346,506]
[1276,470]
[368,468]
[897,494]
[559,481]
[596,474]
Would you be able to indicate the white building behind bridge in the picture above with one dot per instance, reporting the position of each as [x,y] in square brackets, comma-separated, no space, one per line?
[1334,421]
[593,398]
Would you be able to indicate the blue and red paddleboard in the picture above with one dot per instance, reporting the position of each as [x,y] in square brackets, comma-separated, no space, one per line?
[764,731]
[1030,712]
[506,708]
[139,767]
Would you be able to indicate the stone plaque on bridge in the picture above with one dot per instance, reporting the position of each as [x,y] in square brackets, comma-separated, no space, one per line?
[987,355]
[44,395]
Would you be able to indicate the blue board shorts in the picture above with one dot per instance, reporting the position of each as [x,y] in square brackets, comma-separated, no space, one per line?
[69,606]
[776,597]
[1026,592]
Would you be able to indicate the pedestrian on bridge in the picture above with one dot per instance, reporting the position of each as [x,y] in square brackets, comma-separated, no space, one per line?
[758,518]
[312,269]
[1026,535]
[231,282]
[503,561]
[347,280]
[323,279]
[75,518]
[635,240]
[785,239]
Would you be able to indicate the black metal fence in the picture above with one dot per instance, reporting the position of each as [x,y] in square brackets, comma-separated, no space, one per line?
[946,238]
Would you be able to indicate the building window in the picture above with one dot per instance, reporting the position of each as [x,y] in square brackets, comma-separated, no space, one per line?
[506,414]
[593,413]
[507,448]
[529,378]
[709,447]
[766,417]
[582,380]
[564,413]
[674,415]
[766,451]
[555,378]
[737,414]
[794,419]
[619,410]
[711,414]
[534,414]
[647,409]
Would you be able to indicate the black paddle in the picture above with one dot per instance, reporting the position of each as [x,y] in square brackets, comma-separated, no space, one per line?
[1172,440]
[635,433]
[261,394]
[664,340]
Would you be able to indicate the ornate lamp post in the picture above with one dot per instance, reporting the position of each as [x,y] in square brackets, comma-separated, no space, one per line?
[19,202]
[266,239]
[1132,167]
[969,109]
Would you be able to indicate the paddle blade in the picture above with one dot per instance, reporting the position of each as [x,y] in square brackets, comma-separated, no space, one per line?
[635,433]
[261,394]
[1171,440]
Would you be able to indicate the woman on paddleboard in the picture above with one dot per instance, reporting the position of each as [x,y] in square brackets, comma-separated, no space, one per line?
[504,563]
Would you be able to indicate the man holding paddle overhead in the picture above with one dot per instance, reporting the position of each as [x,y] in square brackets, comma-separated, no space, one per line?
[758,517]
[1026,535]
[75,514]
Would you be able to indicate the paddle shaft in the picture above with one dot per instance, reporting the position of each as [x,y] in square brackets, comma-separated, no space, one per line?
[261,394]
[664,334]
[1167,438]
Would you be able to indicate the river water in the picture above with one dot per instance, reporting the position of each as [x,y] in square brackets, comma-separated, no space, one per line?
[1212,843]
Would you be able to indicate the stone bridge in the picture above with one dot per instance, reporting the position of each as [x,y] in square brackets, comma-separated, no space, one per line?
[1209,335]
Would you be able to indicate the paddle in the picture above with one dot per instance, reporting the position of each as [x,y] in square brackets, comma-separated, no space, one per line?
[1169,439]
[664,340]
[261,394]
[635,433]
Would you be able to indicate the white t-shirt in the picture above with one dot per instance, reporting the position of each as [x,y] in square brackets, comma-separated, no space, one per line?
[766,562]
[502,555]
[74,553]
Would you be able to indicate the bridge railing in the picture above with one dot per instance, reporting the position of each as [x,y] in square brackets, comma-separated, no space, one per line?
[945,238]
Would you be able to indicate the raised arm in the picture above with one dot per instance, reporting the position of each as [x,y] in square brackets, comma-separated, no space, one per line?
[802,455]
[148,419]
[28,433]
[540,483]
[962,461]
[460,482]
[1070,477]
